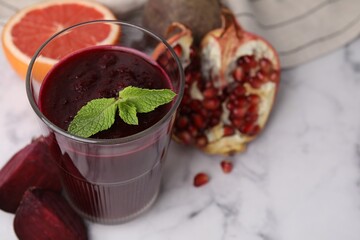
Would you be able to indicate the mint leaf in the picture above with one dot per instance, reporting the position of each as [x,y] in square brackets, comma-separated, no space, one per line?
[97,115]
[128,113]
[146,100]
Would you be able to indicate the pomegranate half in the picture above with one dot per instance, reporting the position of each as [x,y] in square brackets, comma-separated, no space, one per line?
[232,79]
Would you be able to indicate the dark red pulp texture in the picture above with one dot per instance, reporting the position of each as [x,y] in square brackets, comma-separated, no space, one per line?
[107,183]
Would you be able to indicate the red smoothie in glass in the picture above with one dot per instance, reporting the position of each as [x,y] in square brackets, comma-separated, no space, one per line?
[110,187]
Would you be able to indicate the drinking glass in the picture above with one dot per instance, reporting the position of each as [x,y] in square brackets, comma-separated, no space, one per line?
[108,180]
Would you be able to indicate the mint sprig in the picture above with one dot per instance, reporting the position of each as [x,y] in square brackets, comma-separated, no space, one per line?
[99,114]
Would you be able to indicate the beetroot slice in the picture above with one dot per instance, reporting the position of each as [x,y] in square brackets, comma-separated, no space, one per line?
[45,214]
[34,165]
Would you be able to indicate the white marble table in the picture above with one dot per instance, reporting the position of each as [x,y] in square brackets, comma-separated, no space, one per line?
[299,180]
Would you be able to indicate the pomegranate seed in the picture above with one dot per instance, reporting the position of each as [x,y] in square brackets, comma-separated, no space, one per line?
[274,76]
[198,120]
[252,63]
[247,128]
[237,123]
[201,141]
[226,166]
[185,100]
[255,130]
[185,137]
[201,179]
[241,102]
[203,112]
[238,112]
[182,122]
[251,118]
[209,84]
[214,121]
[247,62]
[248,78]
[193,131]
[239,91]
[178,50]
[185,110]
[195,105]
[192,52]
[253,109]
[233,97]
[250,129]
[230,105]
[228,131]
[255,82]
[261,76]
[217,113]
[265,65]
[211,104]
[210,92]
[188,78]
[238,74]
[196,75]
[253,99]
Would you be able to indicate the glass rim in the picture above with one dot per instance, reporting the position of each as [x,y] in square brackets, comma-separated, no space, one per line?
[111,141]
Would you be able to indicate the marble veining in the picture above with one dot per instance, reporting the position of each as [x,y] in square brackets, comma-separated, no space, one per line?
[300,179]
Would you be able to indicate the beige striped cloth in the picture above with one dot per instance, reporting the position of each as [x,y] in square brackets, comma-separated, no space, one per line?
[300,30]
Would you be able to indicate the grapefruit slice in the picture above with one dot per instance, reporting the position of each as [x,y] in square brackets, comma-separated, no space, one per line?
[27,30]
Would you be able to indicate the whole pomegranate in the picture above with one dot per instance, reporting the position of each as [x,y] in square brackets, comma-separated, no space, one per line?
[232,78]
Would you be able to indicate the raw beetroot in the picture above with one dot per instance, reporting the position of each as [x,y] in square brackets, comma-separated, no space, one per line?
[34,165]
[44,214]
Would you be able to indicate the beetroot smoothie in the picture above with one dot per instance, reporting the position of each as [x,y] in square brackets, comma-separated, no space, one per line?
[103,182]
[100,72]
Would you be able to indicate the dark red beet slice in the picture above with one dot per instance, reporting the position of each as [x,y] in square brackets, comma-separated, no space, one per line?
[45,214]
[34,165]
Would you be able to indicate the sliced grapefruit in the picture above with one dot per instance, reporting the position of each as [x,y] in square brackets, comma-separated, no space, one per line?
[27,30]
